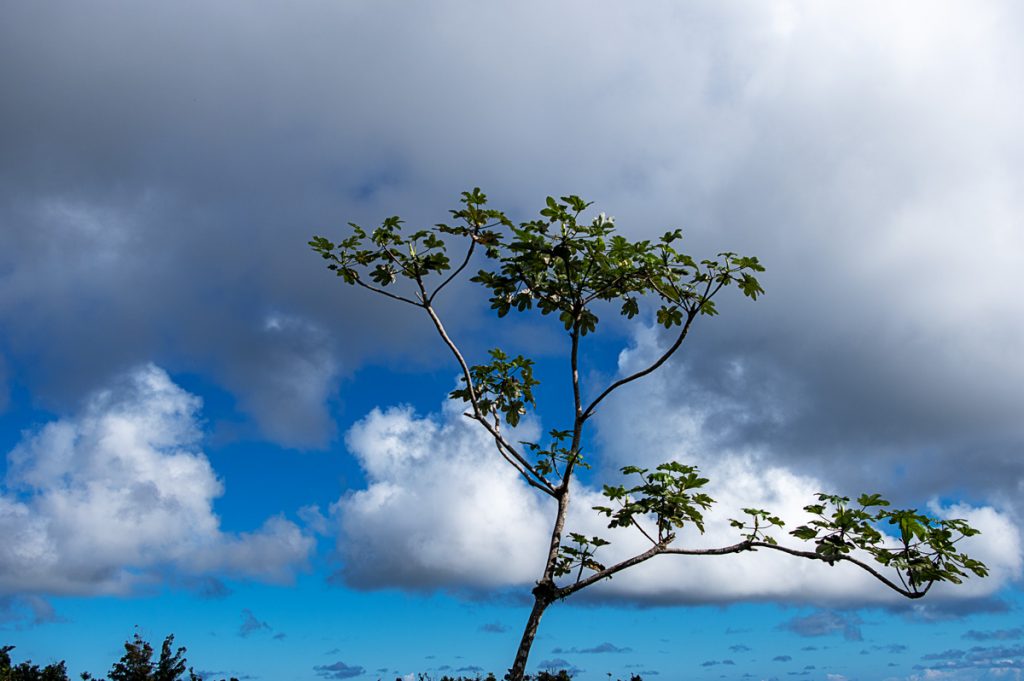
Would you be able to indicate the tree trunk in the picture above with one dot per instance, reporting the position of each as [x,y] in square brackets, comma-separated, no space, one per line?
[541,601]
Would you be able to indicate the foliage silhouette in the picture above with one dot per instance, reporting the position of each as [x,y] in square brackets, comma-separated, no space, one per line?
[137,663]
[26,671]
[570,268]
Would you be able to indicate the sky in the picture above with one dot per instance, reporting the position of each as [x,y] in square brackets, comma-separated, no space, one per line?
[204,433]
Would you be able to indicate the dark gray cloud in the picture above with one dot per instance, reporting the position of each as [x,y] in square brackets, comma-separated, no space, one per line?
[251,624]
[494,628]
[338,670]
[159,205]
[941,610]
[978,657]
[206,586]
[605,647]
[713,663]
[826,623]
[995,634]
[22,611]
[894,648]
[951,654]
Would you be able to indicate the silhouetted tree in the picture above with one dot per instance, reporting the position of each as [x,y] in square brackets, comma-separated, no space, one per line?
[26,671]
[137,663]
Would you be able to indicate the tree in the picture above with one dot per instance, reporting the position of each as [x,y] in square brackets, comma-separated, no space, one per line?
[26,671]
[137,663]
[567,267]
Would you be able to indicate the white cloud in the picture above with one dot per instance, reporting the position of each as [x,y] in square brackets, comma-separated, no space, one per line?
[101,501]
[441,508]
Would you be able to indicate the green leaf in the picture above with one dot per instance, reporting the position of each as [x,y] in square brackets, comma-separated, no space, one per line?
[805,533]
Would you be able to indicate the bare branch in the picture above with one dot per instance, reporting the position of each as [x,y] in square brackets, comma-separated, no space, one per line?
[643,532]
[739,547]
[690,316]
[456,272]
[387,294]
[499,440]
[909,593]
[647,555]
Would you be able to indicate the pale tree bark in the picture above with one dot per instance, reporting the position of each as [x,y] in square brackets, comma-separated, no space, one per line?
[542,599]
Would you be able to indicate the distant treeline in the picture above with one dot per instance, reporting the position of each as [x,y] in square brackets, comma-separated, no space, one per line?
[138,664]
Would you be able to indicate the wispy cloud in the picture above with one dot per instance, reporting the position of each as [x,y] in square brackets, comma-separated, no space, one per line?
[994,634]
[251,624]
[605,647]
[826,623]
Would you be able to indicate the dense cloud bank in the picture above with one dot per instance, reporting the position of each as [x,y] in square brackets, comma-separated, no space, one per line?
[163,166]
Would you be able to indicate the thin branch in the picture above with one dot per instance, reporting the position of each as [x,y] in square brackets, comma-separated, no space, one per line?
[739,547]
[909,593]
[690,316]
[387,294]
[412,274]
[477,413]
[456,272]
[513,461]
[643,531]
[647,555]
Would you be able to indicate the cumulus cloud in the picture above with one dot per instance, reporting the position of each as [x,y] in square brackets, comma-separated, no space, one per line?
[439,510]
[102,501]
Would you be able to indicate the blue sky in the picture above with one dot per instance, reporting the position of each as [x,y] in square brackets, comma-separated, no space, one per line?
[204,433]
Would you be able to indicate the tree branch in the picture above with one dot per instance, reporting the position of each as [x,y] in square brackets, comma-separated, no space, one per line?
[690,316]
[499,440]
[387,294]
[739,547]
[456,272]
[909,593]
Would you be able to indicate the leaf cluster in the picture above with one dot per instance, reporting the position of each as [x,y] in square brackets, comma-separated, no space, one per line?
[562,264]
[503,386]
[26,671]
[667,494]
[386,254]
[759,523]
[579,556]
[557,454]
[925,551]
